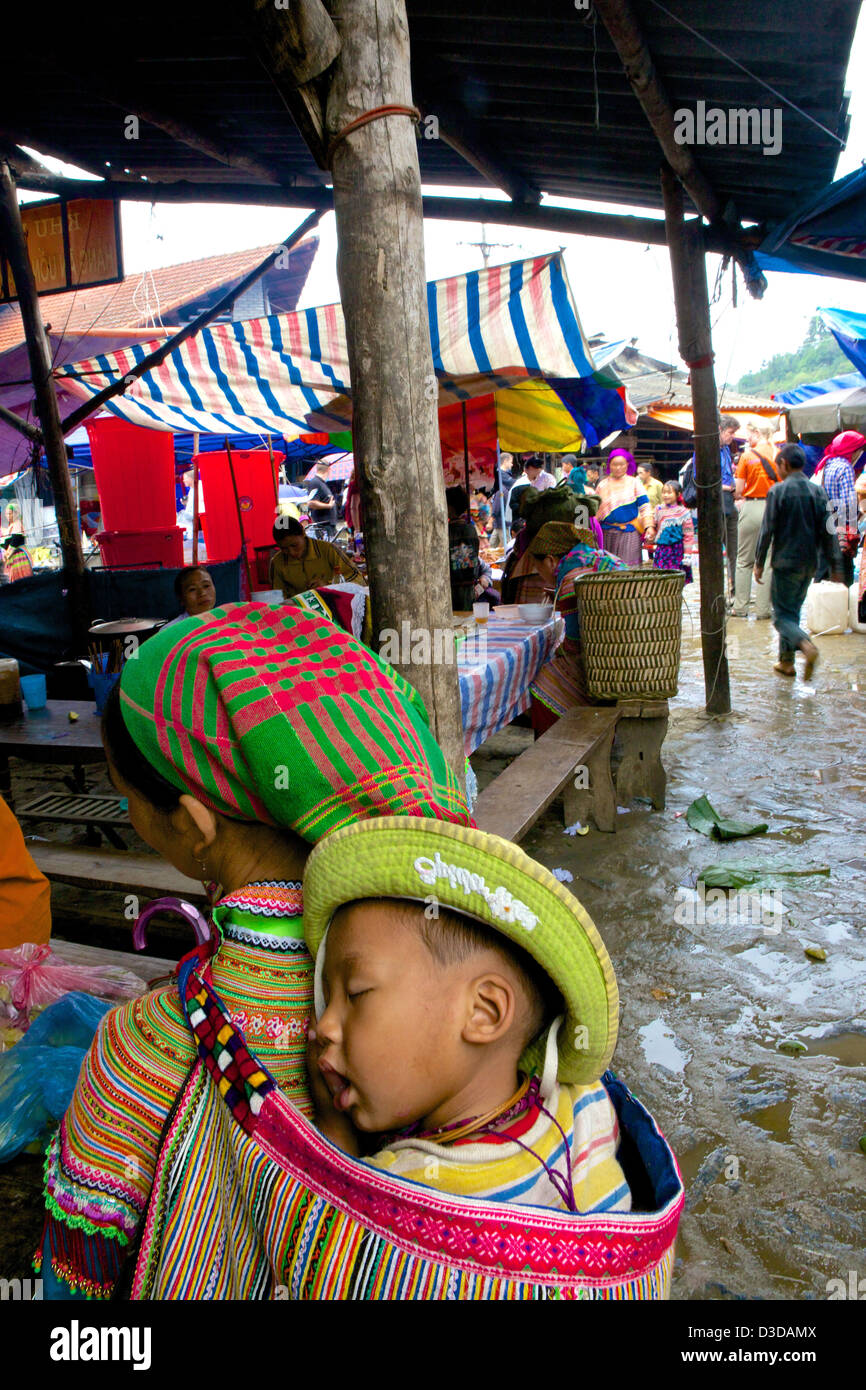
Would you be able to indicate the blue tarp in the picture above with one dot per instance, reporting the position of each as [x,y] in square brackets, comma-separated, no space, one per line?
[808,391]
[849,330]
[825,236]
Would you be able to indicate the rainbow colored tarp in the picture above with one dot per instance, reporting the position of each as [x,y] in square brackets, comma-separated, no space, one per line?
[491,331]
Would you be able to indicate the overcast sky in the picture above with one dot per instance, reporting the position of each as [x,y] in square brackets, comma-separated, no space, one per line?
[622,290]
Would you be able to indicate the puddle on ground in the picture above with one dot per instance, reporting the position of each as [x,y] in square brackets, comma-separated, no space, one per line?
[847,1048]
[764,1099]
[794,834]
[660,1047]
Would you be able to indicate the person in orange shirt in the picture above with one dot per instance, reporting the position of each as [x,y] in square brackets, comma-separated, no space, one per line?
[25,893]
[756,474]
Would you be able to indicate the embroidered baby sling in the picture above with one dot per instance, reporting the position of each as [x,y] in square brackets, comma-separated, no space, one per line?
[250,1201]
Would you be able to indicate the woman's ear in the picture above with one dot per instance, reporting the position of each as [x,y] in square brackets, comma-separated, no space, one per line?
[204,822]
[492,1007]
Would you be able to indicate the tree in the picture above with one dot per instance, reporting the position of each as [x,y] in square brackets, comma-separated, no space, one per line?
[817,357]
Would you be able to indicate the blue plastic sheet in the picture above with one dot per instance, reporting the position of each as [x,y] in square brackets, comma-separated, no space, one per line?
[38,1075]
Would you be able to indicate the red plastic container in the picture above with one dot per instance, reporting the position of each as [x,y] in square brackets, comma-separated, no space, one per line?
[254,480]
[134,471]
[159,546]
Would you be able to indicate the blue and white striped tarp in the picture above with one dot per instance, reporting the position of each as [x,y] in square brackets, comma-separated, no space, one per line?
[289,373]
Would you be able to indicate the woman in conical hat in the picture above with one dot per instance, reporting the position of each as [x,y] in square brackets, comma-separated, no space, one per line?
[240,737]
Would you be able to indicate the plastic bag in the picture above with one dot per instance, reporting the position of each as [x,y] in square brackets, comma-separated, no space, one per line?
[38,1075]
[35,977]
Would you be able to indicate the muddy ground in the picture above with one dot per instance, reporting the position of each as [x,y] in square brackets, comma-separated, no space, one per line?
[767,1141]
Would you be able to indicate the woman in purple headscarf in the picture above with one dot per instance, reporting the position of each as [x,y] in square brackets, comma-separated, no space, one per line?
[625,511]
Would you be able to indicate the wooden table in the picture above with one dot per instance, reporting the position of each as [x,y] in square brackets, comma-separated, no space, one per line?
[46,736]
[496,665]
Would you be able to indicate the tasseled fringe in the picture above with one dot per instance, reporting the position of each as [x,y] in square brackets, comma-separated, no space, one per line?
[88,1264]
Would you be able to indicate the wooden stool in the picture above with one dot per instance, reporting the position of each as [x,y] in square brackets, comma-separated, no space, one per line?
[641,731]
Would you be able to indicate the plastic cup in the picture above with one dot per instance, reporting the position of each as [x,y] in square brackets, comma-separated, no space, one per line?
[481,612]
[33,691]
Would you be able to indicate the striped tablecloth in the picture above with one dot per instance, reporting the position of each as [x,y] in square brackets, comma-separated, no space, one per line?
[496,671]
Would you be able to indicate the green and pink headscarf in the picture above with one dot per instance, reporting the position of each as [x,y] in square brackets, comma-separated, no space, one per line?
[273,715]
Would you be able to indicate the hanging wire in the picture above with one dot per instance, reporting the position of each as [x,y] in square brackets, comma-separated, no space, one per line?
[753,75]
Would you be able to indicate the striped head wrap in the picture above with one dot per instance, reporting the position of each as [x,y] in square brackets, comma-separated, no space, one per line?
[275,715]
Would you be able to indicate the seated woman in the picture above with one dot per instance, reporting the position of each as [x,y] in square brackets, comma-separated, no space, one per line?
[195,592]
[16,558]
[463,550]
[307,564]
[625,510]
[239,739]
[521,582]
[562,554]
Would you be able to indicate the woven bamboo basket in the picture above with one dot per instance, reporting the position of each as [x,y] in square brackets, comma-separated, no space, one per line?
[630,632]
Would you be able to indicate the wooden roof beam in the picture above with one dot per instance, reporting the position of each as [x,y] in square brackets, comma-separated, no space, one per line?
[621,24]
[296,46]
[627,37]
[546,216]
[458,130]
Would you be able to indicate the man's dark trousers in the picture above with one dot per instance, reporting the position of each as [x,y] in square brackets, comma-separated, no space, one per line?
[787,593]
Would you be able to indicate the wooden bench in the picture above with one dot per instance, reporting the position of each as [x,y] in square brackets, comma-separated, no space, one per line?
[97,812]
[571,759]
[144,875]
[640,734]
[148,968]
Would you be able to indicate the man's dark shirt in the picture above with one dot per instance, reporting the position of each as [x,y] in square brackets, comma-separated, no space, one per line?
[318,488]
[798,523]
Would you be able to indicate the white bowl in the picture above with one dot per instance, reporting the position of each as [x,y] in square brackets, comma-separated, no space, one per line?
[535,612]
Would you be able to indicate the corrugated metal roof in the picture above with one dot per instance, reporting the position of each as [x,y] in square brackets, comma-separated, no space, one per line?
[650,382]
[540,87]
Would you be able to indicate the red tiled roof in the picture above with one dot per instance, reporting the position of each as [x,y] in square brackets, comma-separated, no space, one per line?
[137,300]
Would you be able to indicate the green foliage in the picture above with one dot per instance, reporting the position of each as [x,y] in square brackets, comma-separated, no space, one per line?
[817,357]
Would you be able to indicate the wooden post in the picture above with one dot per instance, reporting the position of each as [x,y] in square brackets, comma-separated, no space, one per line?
[274,476]
[380,264]
[195,498]
[244,560]
[14,244]
[688,267]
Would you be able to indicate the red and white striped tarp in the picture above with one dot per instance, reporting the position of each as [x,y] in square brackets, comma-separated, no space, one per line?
[288,373]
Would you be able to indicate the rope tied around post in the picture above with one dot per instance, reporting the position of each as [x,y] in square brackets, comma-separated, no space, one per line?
[374,114]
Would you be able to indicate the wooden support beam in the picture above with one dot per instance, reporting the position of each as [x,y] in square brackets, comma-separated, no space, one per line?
[153,359]
[621,23]
[32,432]
[642,231]
[14,246]
[380,265]
[296,46]
[692,300]
[457,129]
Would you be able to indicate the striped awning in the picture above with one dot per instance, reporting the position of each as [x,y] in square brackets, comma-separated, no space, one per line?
[288,373]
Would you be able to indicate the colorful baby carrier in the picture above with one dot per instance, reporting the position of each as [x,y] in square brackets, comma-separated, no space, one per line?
[250,1201]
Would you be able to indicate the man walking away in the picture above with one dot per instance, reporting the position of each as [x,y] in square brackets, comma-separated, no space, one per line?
[756,474]
[799,525]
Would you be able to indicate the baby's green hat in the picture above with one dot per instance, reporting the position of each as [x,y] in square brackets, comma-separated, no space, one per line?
[495,883]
